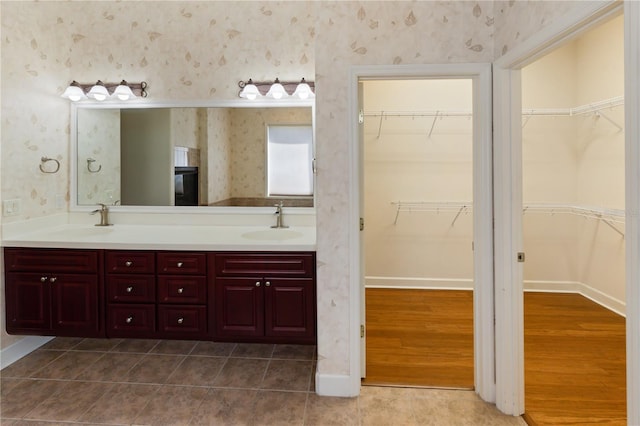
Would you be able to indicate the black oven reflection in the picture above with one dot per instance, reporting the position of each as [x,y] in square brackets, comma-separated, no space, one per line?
[186,186]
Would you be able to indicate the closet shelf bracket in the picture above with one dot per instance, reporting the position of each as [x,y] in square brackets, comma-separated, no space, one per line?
[599,114]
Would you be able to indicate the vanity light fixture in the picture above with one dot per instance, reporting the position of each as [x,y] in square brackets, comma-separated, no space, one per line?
[276,90]
[100,91]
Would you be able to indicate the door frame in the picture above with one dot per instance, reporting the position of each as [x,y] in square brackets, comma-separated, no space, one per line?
[480,74]
[508,197]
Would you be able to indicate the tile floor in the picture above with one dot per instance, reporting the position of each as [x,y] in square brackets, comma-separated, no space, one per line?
[148,382]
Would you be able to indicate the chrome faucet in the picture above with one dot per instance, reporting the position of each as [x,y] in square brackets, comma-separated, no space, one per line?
[278,214]
[104,215]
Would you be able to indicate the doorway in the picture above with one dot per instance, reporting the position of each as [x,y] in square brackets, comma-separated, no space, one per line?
[418,210]
[573,167]
[479,215]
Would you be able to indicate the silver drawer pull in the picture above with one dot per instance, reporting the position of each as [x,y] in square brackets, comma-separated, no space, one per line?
[180,264]
[257,283]
[180,290]
[129,320]
[43,279]
[128,263]
[268,284]
[129,289]
[180,320]
[53,279]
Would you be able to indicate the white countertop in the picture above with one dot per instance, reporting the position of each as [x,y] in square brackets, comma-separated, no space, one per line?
[168,237]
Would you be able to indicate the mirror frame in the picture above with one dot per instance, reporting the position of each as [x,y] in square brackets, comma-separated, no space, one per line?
[145,104]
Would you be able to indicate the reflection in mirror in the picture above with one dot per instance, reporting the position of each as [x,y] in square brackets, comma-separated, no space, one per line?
[183,156]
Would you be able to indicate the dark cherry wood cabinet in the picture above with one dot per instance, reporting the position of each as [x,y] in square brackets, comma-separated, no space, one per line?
[264,297]
[225,296]
[54,292]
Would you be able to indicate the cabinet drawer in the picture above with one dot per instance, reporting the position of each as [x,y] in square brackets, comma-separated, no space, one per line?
[131,288]
[130,262]
[182,263]
[126,320]
[51,260]
[261,264]
[177,289]
[182,319]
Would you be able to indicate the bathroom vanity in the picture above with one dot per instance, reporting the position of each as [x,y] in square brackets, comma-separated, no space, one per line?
[85,282]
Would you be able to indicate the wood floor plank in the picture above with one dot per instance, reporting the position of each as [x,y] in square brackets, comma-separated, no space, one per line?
[574,351]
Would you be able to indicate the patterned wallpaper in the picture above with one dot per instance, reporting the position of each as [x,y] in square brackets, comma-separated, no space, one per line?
[199,50]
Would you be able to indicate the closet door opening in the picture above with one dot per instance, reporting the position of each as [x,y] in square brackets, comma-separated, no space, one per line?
[417,160]
[573,163]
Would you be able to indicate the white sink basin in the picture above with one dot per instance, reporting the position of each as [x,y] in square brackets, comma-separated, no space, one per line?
[277,234]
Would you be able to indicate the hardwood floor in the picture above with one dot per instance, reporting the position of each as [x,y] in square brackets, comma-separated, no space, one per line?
[574,361]
[574,351]
[419,337]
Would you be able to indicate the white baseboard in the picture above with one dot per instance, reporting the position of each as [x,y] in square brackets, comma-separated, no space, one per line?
[419,283]
[611,303]
[336,385]
[22,347]
[597,296]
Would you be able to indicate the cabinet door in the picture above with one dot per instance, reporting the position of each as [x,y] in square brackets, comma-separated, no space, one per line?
[28,302]
[74,304]
[239,307]
[290,308]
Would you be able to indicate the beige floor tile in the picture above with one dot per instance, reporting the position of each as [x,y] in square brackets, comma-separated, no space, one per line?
[276,408]
[68,366]
[213,349]
[70,402]
[378,410]
[226,407]
[135,345]
[99,345]
[153,369]
[26,395]
[121,404]
[197,371]
[63,343]
[111,367]
[252,350]
[287,375]
[27,365]
[301,352]
[172,405]
[174,347]
[242,373]
[326,410]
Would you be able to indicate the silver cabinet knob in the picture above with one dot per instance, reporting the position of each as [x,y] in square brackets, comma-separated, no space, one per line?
[180,264]
[128,263]
[53,279]
[257,283]
[268,284]
[180,290]
[129,320]
[180,320]
[129,289]
[43,279]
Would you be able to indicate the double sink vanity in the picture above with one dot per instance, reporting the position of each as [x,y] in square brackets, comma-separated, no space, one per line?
[223,283]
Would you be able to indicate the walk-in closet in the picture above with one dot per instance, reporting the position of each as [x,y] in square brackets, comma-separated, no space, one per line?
[418,212]
[573,159]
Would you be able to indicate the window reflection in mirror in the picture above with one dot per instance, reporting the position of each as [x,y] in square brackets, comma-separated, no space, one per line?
[160,156]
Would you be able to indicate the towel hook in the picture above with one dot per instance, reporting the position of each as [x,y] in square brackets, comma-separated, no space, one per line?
[44,160]
[92,160]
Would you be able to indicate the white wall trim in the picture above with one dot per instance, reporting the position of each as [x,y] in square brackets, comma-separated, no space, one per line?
[483,210]
[21,348]
[335,385]
[632,203]
[611,303]
[420,283]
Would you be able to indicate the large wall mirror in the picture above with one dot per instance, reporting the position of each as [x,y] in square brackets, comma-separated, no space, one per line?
[175,155]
